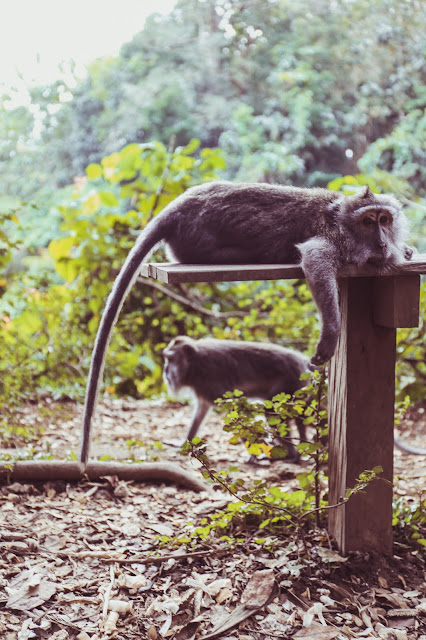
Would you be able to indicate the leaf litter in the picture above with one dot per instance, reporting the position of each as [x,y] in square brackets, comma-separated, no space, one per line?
[85,562]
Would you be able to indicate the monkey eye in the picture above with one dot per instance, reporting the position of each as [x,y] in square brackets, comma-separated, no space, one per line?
[367,221]
[384,219]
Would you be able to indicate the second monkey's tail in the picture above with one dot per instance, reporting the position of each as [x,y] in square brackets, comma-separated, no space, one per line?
[153,233]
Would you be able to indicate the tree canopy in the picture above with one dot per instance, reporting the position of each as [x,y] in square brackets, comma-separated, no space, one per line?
[331,94]
[291,92]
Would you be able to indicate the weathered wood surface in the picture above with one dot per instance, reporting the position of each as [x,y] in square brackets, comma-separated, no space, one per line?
[396,301]
[361,410]
[178,273]
[361,405]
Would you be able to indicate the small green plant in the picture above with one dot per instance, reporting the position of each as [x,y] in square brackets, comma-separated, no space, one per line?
[261,506]
[409,519]
[148,450]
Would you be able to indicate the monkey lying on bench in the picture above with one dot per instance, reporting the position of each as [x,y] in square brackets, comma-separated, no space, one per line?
[231,223]
[211,367]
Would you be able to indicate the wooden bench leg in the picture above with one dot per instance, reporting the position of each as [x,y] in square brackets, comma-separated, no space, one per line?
[361,419]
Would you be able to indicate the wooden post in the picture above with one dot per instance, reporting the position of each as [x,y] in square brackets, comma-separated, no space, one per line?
[361,406]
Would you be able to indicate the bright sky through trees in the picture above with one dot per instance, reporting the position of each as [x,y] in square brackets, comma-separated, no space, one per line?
[37,35]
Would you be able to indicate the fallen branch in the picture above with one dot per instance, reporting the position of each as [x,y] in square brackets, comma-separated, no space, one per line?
[44,470]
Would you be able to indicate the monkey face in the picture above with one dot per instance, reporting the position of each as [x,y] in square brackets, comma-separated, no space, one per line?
[171,374]
[376,228]
[176,364]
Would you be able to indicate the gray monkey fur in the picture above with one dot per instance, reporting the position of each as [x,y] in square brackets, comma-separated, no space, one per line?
[228,223]
[210,367]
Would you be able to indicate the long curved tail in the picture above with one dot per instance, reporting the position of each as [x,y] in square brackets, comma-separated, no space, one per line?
[409,448]
[149,238]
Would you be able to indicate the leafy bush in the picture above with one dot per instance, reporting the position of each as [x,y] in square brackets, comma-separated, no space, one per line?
[50,315]
[101,220]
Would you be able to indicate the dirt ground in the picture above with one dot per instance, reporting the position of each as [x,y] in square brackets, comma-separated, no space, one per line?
[86,561]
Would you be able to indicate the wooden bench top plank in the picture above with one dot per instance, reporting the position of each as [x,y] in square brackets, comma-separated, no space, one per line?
[176,272]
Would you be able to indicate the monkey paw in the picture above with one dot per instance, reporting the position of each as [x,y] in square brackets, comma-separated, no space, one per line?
[317,361]
[326,346]
[320,358]
[408,252]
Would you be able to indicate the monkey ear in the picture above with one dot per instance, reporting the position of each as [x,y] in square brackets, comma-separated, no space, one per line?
[367,193]
[188,349]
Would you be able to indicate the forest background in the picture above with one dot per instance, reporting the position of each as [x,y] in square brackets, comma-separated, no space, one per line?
[249,90]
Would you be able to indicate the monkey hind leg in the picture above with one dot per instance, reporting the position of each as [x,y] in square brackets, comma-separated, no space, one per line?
[293,454]
[201,409]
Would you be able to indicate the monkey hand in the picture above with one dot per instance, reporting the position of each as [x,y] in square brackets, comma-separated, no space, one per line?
[317,361]
[325,349]
[408,252]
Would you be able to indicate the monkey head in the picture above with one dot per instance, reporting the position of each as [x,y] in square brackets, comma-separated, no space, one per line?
[373,229]
[177,357]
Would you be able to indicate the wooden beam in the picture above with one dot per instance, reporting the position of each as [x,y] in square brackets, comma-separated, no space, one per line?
[396,301]
[361,418]
[176,273]
[179,273]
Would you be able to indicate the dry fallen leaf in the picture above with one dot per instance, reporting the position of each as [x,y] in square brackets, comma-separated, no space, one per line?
[152,633]
[225,594]
[28,590]
[259,589]
[82,529]
[383,583]
[317,632]
[328,555]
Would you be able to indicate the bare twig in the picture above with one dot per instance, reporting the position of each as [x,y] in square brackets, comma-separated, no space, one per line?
[171,556]
[107,595]
[189,303]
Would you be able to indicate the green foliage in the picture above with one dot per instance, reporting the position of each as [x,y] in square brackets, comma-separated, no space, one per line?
[411,357]
[409,519]
[402,151]
[8,219]
[48,324]
[257,424]
[50,319]
[292,91]
[260,507]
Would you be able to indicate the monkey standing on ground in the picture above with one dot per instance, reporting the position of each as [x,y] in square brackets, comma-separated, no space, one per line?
[211,367]
[227,223]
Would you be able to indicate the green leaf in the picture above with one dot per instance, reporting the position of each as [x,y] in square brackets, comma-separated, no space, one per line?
[278,453]
[94,171]
[92,204]
[108,199]
[192,146]
[61,248]
[67,269]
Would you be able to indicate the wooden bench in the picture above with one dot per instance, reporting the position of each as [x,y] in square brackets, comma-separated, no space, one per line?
[361,383]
